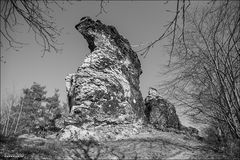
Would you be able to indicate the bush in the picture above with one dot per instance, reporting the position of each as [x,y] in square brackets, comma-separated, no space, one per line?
[233,149]
[33,112]
[230,147]
[212,137]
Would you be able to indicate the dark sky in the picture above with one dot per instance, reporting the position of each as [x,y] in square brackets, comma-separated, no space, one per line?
[138,21]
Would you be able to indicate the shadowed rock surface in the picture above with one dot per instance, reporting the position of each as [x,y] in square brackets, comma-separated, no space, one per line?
[159,112]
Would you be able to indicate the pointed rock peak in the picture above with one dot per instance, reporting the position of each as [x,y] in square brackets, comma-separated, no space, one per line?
[153,92]
[159,112]
[97,34]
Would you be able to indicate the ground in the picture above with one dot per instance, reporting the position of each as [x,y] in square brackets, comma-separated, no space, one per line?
[149,144]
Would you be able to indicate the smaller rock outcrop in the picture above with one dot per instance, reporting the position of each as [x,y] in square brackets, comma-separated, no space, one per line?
[162,114]
[159,112]
[189,130]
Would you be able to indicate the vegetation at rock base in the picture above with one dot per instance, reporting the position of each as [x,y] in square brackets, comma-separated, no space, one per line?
[31,113]
[151,144]
[164,145]
[225,145]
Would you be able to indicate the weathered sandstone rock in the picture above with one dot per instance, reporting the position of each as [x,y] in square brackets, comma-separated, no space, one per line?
[159,112]
[105,88]
[162,115]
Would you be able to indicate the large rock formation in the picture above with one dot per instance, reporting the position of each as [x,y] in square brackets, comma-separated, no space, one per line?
[105,88]
[104,96]
[159,112]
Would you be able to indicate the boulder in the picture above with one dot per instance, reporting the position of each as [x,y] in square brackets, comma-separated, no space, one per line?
[159,112]
[100,133]
[189,130]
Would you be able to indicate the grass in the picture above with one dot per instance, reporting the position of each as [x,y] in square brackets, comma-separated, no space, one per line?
[162,145]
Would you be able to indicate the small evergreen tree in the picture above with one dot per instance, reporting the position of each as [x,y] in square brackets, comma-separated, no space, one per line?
[38,112]
[32,107]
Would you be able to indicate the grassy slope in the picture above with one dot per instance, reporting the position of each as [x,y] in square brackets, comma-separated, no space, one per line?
[150,144]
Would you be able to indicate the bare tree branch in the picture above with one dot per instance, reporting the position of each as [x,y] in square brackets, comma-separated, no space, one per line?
[36,15]
[206,66]
[171,29]
[102,9]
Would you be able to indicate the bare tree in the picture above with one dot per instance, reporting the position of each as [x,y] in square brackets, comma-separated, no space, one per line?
[178,21]
[19,116]
[37,16]
[8,118]
[207,66]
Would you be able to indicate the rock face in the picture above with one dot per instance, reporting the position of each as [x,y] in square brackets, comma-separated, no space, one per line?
[104,132]
[103,95]
[105,89]
[189,130]
[159,112]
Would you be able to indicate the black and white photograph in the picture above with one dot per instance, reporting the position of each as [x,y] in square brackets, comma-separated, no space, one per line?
[121,80]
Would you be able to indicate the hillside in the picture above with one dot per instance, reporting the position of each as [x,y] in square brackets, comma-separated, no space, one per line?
[149,144]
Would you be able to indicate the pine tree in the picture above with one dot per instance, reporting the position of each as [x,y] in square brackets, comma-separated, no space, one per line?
[38,112]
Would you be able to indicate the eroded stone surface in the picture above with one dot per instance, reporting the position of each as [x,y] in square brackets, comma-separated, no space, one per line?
[159,112]
[162,114]
[104,96]
[100,133]
[106,86]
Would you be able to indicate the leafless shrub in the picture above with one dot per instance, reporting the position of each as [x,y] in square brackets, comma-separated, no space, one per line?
[206,77]
[9,119]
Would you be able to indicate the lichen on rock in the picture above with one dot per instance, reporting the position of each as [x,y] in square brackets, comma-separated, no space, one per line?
[106,86]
